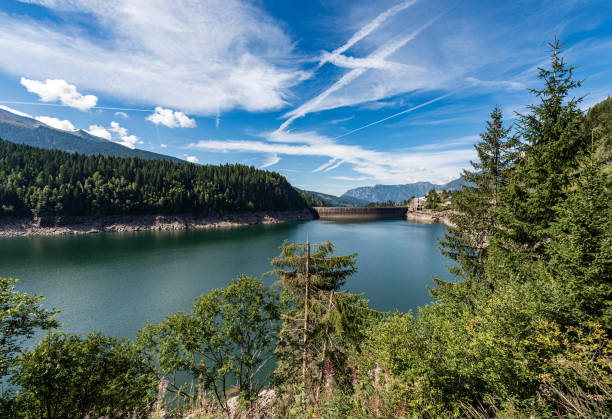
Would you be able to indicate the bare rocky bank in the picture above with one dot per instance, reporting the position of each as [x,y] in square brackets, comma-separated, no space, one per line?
[52,226]
[429,217]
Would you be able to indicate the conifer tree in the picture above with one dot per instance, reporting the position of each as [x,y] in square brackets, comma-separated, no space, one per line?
[581,249]
[551,140]
[473,224]
[319,321]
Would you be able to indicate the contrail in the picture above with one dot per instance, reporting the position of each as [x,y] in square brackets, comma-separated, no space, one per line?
[379,54]
[429,102]
[67,106]
[368,29]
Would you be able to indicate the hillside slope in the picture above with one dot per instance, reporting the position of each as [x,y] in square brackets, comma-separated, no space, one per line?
[335,201]
[399,193]
[23,130]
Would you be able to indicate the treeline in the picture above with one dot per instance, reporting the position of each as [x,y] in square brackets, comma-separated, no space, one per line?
[522,331]
[39,182]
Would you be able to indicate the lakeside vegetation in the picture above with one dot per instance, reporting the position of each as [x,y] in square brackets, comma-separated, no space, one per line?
[523,331]
[38,182]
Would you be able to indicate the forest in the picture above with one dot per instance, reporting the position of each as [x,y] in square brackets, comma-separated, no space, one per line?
[522,331]
[37,182]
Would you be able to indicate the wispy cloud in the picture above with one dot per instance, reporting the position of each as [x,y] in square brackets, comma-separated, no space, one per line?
[181,55]
[394,166]
[271,161]
[316,103]
[366,30]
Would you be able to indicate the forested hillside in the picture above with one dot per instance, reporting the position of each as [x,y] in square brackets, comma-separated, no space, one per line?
[34,181]
[323,199]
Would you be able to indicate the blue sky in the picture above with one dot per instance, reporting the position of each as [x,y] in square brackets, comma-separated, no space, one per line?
[331,94]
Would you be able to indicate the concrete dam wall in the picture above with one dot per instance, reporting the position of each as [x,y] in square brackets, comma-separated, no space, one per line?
[359,213]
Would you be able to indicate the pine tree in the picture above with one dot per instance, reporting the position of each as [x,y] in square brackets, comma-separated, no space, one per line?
[473,224]
[551,140]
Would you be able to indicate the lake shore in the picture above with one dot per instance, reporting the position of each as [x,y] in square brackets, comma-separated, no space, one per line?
[429,217]
[55,226]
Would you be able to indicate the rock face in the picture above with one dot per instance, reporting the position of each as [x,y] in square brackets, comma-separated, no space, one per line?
[429,217]
[50,226]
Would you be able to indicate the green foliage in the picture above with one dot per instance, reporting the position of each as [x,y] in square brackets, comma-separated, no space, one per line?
[50,182]
[67,376]
[224,342]
[581,248]
[21,315]
[433,199]
[321,324]
[383,204]
[475,205]
[551,140]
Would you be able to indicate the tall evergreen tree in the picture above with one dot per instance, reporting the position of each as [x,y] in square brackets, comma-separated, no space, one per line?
[581,249]
[319,321]
[473,224]
[551,141]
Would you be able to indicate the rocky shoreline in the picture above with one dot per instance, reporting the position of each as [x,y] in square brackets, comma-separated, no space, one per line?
[53,226]
[429,217]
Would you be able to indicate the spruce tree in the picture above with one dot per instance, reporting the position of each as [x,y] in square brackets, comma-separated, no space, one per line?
[473,223]
[551,140]
[320,322]
[581,249]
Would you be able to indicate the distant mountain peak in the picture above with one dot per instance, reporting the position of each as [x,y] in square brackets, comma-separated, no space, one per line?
[399,193]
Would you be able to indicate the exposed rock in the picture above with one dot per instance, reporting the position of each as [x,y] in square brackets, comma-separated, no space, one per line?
[51,226]
[429,217]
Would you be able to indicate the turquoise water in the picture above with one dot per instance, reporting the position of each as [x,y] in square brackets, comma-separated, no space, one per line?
[115,282]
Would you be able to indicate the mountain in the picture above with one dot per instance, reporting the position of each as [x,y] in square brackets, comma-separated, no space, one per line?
[335,201]
[399,193]
[23,130]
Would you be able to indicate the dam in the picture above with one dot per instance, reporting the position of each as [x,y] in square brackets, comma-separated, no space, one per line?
[359,213]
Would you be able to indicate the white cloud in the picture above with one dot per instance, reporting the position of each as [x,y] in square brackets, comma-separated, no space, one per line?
[170,118]
[394,166]
[351,179]
[420,78]
[67,94]
[192,159]
[200,58]
[62,124]
[271,161]
[99,131]
[126,140]
[163,145]
[15,111]
[122,114]
[366,30]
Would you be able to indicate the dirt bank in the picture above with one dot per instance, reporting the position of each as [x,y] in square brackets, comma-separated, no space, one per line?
[51,226]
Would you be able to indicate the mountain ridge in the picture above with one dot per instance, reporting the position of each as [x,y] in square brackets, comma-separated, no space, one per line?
[28,131]
[399,193]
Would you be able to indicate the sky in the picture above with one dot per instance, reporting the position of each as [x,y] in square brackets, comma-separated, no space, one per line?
[331,94]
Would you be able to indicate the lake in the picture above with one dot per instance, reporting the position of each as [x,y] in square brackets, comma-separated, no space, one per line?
[115,282]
